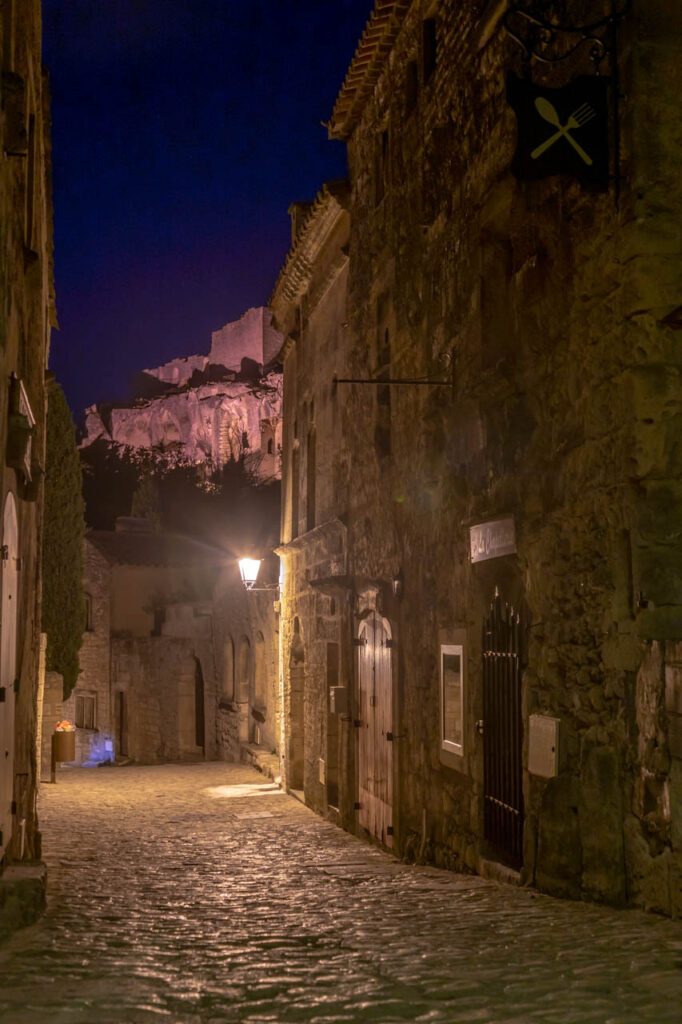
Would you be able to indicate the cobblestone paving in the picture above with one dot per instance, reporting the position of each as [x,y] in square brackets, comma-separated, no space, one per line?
[200,894]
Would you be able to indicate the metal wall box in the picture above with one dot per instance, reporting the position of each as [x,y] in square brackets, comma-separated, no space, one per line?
[543,746]
[338,700]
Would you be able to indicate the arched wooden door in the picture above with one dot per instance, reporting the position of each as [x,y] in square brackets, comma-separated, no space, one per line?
[8,657]
[375,740]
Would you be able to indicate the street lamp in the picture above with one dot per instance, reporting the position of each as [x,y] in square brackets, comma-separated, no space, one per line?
[248,570]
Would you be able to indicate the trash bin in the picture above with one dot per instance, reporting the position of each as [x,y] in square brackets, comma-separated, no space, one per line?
[64,746]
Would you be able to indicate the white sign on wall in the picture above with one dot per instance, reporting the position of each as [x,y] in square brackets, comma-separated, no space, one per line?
[492,539]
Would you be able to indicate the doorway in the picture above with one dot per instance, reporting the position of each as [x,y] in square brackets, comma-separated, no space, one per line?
[8,659]
[121,720]
[375,729]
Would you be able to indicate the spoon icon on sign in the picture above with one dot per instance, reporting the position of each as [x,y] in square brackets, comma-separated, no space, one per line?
[577,119]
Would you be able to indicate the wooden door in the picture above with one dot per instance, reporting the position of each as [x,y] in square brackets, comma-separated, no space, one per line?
[375,746]
[8,648]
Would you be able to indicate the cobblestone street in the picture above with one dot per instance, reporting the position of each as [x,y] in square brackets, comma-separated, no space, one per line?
[200,894]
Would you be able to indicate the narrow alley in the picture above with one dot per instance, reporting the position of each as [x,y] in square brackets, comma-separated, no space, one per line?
[202,894]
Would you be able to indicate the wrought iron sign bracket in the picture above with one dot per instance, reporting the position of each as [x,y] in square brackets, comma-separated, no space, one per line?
[580,108]
[530,25]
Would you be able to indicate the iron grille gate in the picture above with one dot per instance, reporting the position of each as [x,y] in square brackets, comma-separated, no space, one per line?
[502,733]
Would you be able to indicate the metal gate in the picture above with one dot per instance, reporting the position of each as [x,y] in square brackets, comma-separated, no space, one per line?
[375,747]
[502,733]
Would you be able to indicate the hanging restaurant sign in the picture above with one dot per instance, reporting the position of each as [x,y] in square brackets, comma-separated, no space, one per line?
[492,539]
[562,131]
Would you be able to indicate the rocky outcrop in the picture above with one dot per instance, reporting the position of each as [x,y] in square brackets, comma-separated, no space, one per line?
[208,408]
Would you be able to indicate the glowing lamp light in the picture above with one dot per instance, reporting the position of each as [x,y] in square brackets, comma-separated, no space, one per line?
[248,570]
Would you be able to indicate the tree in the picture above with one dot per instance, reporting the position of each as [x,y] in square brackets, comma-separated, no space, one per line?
[64,528]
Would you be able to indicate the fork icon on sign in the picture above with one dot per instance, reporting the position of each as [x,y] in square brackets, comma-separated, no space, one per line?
[577,119]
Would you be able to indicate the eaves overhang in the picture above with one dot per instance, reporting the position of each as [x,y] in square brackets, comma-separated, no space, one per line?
[374,47]
[296,274]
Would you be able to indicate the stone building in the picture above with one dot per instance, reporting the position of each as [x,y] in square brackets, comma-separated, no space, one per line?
[309,305]
[207,408]
[175,664]
[482,601]
[26,318]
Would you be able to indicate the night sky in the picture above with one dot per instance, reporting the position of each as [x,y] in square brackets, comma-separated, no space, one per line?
[182,130]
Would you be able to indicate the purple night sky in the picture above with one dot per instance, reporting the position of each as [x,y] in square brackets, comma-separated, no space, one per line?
[182,130]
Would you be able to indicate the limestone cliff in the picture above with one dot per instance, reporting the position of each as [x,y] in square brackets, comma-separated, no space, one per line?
[208,408]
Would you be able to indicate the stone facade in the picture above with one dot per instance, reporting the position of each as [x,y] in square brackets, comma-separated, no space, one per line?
[316,617]
[208,409]
[174,663]
[550,311]
[26,318]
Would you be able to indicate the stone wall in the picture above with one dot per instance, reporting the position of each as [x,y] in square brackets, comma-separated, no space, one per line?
[246,644]
[549,306]
[94,745]
[28,313]
[158,676]
[251,337]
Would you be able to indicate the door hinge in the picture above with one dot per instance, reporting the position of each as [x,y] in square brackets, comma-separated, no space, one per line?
[356,805]
[4,552]
[3,694]
[389,737]
[389,830]
[479,726]
[13,808]
[388,642]
[356,723]
[16,685]
[19,564]
[359,641]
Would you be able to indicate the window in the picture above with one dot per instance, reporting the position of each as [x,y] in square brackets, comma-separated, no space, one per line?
[452,697]
[85,710]
[429,48]
[310,511]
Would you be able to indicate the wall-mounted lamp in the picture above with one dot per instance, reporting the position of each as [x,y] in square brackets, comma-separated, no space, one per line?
[248,570]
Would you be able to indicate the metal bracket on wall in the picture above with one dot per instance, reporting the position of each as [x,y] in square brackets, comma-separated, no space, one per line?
[390,381]
[542,37]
